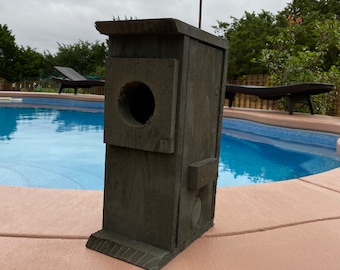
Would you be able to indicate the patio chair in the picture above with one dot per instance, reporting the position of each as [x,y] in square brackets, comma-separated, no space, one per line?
[295,93]
[74,80]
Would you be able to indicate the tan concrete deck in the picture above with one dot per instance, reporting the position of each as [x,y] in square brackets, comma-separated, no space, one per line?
[285,225]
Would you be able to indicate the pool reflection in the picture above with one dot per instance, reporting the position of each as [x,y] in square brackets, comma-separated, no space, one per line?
[8,123]
[68,120]
[65,120]
[245,162]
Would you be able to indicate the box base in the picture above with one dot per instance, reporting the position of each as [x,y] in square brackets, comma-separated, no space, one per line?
[129,250]
[135,252]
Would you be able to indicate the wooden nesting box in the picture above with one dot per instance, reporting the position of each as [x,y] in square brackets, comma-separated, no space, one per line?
[163,110]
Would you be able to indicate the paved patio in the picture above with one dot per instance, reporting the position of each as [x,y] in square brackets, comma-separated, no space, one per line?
[284,225]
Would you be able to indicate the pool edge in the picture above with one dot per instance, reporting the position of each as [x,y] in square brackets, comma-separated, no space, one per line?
[323,123]
[80,97]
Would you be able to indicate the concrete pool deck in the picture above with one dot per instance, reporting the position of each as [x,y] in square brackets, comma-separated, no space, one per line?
[284,225]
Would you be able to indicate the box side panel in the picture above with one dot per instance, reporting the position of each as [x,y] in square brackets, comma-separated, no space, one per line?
[205,83]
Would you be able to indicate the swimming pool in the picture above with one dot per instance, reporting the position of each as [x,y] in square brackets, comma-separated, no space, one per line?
[63,148]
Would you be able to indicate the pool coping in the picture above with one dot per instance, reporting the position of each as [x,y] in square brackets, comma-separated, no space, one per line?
[323,123]
[284,225]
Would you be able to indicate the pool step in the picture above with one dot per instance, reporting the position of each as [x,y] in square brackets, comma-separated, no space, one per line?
[10,100]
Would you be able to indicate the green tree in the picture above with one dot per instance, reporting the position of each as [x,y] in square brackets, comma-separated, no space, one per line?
[17,64]
[86,58]
[31,64]
[311,11]
[290,63]
[247,38]
[8,54]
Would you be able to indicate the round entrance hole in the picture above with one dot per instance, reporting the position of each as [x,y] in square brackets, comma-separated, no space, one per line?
[136,103]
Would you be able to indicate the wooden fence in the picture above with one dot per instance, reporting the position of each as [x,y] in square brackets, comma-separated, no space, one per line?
[253,102]
[337,106]
[240,100]
[46,84]
[249,101]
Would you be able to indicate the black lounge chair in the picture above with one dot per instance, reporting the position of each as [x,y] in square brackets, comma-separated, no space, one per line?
[74,80]
[296,93]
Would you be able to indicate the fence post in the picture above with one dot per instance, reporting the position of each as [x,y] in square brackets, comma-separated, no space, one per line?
[248,101]
[337,105]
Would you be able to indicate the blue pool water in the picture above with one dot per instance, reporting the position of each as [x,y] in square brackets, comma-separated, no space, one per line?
[51,148]
[63,148]
[249,157]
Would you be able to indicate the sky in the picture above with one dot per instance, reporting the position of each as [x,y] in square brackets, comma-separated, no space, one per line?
[42,24]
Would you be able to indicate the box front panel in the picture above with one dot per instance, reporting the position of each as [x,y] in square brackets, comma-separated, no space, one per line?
[140,103]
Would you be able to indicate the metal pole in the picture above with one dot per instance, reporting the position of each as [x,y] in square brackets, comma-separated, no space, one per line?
[200,15]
